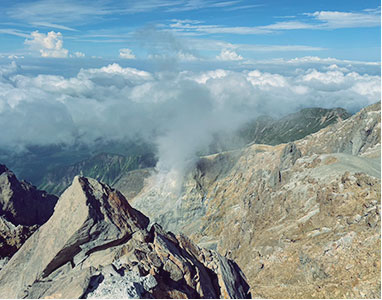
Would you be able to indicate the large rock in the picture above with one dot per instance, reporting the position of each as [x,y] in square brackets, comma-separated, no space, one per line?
[23,209]
[21,203]
[13,237]
[97,245]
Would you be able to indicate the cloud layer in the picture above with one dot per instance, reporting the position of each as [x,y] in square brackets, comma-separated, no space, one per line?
[179,111]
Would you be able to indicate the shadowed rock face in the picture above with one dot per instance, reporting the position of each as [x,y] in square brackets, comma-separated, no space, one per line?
[23,209]
[302,220]
[96,245]
[21,203]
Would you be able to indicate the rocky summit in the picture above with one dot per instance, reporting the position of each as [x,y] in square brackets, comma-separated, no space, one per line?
[95,245]
[23,209]
[302,219]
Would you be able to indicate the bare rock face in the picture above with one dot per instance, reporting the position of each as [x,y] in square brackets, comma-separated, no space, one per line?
[21,203]
[12,237]
[23,209]
[131,183]
[97,246]
[354,136]
[302,220]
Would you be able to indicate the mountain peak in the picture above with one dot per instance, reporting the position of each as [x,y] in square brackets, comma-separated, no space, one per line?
[3,169]
[97,245]
[21,203]
[23,209]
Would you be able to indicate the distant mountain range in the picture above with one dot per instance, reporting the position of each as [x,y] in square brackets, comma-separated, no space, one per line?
[270,131]
[52,168]
[104,167]
[266,130]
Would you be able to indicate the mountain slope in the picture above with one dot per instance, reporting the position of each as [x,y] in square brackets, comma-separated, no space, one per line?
[35,162]
[96,245]
[270,131]
[292,127]
[302,219]
[105,167]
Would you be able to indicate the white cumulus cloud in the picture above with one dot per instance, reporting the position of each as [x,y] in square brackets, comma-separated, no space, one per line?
[228,55]
[79,54]
[48,45]
[126,53]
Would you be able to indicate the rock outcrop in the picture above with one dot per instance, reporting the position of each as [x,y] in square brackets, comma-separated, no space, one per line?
[302,220]
[22,203]
[96,245]
[23,209]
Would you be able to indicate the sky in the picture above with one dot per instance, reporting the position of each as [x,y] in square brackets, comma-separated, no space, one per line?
[177,72]
[227,30]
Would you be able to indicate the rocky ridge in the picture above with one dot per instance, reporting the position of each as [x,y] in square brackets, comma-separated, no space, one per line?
[293,126]
[301,219]
[273,131]
[23,209]
[96,245]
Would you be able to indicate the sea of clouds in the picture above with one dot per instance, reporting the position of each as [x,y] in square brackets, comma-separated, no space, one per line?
[179,110]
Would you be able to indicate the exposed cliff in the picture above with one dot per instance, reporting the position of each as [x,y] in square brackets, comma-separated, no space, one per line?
[23,209]
[301,220]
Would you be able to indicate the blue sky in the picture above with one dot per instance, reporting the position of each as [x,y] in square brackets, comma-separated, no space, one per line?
[191,30]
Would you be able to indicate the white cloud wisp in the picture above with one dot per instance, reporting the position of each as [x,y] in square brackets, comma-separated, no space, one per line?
[229,55]
[126,53]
